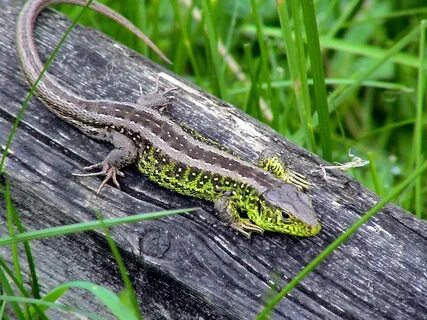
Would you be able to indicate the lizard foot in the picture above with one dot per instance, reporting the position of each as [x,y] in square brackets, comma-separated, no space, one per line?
[108,170]
[227,211]
[272,163]
[125,153]
[246,227]
[155,99]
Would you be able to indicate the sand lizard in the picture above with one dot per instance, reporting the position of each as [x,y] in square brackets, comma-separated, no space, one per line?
[247,197]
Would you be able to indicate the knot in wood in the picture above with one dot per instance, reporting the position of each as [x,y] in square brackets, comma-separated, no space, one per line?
[154,242]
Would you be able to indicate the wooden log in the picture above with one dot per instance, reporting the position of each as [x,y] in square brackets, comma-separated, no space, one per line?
[190,266]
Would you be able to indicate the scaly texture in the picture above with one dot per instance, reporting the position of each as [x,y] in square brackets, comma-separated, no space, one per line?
[271,199]
[178,177]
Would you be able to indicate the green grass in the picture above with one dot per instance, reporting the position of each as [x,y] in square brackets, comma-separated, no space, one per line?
[356,79]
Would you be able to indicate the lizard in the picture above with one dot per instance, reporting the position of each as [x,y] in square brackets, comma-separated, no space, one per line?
[250,198]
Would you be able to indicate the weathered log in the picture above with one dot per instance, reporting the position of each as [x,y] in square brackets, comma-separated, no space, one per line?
[190,266]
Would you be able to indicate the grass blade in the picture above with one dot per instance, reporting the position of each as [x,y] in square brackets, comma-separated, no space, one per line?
[374,173]
[128,296]
[86,226]
[7,289]
[297,67]
[107,297]
[342,93]
[349,11]
[319,87]
[217,77]
[21,288]
[47,305]
[14,217]
[418,130]
[10,213]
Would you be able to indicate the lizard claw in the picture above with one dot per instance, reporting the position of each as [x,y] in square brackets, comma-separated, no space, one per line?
[94,166]
[156,99]
[165,93]
[109,171]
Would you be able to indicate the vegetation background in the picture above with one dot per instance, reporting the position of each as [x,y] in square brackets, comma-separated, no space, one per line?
[241,52]
[355,81]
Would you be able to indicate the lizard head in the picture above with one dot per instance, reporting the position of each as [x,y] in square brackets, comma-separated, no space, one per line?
[286,209]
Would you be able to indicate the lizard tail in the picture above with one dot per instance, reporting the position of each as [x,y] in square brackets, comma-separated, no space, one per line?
[57,97]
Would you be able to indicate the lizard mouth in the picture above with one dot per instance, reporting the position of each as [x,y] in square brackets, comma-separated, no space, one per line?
[301,228]
[283,221]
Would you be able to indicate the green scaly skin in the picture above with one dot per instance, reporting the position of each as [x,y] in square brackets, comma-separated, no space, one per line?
[159,168]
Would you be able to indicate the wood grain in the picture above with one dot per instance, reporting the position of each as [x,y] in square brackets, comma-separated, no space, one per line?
[190,266]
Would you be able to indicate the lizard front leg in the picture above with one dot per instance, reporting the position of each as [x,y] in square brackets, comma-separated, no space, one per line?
[273,164]
[227,210]
[124,153]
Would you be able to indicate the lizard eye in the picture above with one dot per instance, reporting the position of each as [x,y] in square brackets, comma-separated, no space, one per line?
[285,216]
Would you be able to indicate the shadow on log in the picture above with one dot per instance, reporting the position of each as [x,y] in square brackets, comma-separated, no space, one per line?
[190,266]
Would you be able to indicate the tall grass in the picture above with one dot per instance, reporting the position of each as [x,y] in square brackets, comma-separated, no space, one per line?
[330,77]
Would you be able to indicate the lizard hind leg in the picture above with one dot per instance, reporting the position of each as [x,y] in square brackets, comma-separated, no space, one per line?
[273,164]
[227,211]
[110,172]
[125,153]
[155,99]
